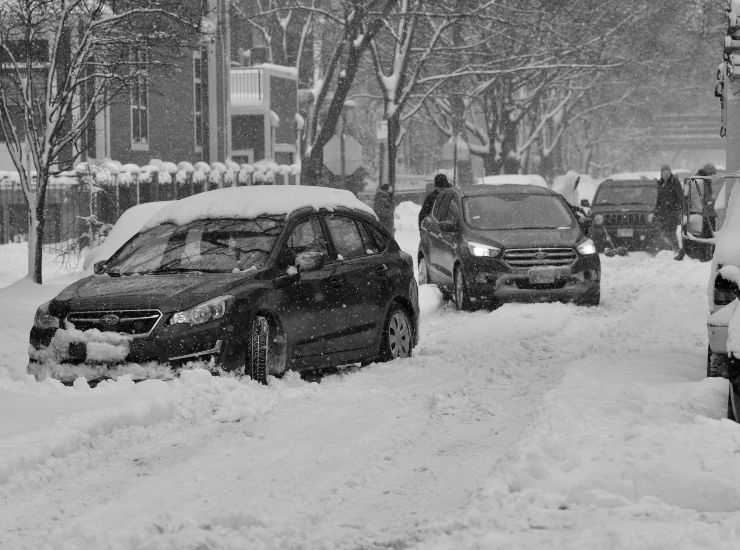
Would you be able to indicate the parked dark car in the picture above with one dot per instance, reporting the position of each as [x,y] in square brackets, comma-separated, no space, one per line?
[622,214]
[251,280]
[489,244]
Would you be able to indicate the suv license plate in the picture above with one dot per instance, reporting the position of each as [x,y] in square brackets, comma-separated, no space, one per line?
[542,276]
[625,232]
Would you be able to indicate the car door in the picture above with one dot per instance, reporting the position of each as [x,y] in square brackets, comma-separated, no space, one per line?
[309,303]
[449,239]
[357,270]
[436,245]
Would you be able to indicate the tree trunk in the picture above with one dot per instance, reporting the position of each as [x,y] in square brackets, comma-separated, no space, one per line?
[312,166]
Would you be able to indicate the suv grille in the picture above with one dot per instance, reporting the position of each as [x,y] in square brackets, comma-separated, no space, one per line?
[138,322]
[531,257]
[626,218]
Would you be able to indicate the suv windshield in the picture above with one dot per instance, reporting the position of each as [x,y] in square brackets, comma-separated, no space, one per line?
[516,211]
[643,192]
[214,246]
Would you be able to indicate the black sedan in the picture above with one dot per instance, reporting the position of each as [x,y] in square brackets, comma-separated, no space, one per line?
[317,283]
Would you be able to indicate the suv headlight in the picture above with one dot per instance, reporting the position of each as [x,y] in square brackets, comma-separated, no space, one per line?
[598,219]
[478,249]
[202,313]
[43,319]
[587,247]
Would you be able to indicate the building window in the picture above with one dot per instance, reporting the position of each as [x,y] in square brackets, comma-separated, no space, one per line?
[140,103]
[198,100]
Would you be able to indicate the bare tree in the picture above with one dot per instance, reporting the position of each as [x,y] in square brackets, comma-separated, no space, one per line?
[63,61]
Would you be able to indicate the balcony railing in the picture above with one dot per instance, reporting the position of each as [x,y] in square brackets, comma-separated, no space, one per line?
[246,86]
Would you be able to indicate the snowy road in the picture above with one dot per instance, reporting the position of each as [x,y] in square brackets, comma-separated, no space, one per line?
[408,454]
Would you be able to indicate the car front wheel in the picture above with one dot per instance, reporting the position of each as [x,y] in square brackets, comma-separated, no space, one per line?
[266,350]
[423,271]
[397,335]
[462,299]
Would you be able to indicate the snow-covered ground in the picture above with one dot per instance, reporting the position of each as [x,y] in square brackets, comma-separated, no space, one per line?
[533,426]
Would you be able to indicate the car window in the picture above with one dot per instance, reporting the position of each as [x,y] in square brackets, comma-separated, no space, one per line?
[441,205]
[367,240]
[453,212]
[381,240]
[308,236]
[627,193]
[517,211]
[346,237]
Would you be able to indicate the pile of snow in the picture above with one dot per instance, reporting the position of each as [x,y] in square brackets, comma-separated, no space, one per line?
[250,202]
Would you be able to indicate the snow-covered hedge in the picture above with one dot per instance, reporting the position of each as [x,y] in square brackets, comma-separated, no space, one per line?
[219,174]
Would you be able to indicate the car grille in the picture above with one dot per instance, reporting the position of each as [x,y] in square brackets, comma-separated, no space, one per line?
[531,257]
[139,322]
[630,219]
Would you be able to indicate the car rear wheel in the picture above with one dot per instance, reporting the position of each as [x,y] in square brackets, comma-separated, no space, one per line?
[462,299]
[732,402]
[423,271]
[717,364]
[397,339]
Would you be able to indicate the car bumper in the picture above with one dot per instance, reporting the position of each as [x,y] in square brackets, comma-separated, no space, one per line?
[578,281]
[641,237]
[66,355]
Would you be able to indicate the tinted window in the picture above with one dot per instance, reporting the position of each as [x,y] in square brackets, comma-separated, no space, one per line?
[381,240]
[367,241]
[346,237]
[203,245]
[307,236]
[627,193]
[516,211]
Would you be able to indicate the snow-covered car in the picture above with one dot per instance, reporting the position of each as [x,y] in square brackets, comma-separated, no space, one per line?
[723,323]
[513,179]
[622,214]
[252,280]
[489,244]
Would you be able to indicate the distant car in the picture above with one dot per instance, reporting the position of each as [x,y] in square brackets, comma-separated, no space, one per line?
[622,214]
[514,179]
[490,244]
[249,280]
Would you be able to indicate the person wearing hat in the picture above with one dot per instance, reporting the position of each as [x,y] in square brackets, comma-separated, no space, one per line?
[668,208]
[383,206]
[440,182]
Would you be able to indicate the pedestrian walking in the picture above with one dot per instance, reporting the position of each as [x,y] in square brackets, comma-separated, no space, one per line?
[668,208]
[383,206]
[440,182]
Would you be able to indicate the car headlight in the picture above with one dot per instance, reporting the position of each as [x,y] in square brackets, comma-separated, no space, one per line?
[202,313]
[650,217]
[478,249]
[43,319]
[587,247]
[598,219]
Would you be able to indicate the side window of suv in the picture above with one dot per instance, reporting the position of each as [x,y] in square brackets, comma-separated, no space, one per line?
[441,205]
[346,236]
[453,213]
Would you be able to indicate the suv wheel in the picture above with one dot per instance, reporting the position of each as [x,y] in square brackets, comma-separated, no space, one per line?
[423,271]
[717,364]
[462,299]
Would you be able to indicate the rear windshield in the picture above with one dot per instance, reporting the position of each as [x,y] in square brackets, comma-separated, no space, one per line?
[627,193]
[517,211]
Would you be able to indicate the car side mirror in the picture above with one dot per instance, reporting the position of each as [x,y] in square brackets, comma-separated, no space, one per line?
[98,267]
[447,226]
[310,260]
[585,203]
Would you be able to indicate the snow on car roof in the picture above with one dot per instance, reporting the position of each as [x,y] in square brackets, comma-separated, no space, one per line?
[253,201]
[513,179]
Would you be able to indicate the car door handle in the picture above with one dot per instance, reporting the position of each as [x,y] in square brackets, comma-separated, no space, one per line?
[335,282]
[381,269]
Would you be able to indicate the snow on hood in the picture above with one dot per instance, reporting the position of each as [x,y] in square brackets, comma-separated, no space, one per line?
[566,186]
[253,201]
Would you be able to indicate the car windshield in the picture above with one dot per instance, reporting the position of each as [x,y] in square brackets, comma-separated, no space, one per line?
[516,211]
[206,246]
[643,192]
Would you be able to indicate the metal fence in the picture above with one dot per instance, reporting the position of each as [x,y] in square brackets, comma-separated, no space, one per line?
[80,205]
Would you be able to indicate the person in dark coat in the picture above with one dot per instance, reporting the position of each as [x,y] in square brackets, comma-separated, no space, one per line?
[440,182]
[668,207]
[383,206]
